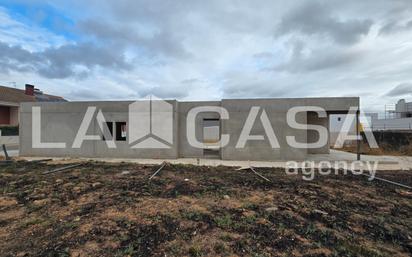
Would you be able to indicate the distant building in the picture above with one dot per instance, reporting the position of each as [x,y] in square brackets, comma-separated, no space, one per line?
[403,109]
[397,117]
[10,99]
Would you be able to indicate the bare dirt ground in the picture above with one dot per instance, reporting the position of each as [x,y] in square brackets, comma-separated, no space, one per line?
[108,209]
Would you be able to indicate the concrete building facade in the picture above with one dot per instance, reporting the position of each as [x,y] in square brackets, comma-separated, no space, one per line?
[60,123]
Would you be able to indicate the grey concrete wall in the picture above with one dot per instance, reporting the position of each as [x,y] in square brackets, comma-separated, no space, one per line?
[313,136]
[185,149]
[61,121]
[331,104]
[276,110]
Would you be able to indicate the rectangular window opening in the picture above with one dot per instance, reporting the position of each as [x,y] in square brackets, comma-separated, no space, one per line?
[121,131]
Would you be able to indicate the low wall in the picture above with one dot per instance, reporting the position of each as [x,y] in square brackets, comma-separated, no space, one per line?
[9,140]
[392,124]
[393,140]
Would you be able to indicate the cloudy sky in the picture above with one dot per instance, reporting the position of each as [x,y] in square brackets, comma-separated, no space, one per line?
[206,50]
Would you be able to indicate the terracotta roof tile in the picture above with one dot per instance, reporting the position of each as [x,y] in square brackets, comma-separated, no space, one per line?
[13,95]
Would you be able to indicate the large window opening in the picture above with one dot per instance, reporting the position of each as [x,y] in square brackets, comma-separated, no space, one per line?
[117,130]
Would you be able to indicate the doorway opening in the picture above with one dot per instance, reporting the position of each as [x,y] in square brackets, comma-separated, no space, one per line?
[211,138]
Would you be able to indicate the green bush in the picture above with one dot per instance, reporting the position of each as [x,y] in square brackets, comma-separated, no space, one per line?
[9,130]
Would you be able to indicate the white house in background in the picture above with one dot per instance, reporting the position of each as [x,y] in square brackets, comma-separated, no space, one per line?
[398,118]
[403,109]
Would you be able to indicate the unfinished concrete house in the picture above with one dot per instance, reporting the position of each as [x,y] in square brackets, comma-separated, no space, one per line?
[247,126]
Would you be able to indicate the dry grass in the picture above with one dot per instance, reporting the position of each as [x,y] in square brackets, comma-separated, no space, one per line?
[383,149]
[95,210]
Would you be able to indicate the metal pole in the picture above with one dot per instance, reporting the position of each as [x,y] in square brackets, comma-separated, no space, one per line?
[257,173]
[5,152]
[63,168]
[388,181]
[358,155]
[158,170]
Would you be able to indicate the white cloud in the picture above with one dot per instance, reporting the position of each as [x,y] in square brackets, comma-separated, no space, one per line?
[221,49]
[31,38]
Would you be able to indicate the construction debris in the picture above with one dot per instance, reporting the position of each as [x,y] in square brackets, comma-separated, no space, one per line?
[34,162]
[63,168]
[158,170]
[389,181]
[405,193]
[257,173]
[41,160]
[323,213]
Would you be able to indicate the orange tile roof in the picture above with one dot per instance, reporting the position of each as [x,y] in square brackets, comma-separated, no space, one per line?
[13,95]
